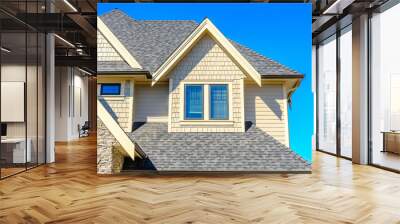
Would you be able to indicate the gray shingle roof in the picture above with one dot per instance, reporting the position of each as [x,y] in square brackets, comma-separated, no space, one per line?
[152,42]
[253,150]
[262,64]
[114,66]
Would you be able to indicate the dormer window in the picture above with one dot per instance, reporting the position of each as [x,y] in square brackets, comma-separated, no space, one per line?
[194,102]
[219,105]
[208,101]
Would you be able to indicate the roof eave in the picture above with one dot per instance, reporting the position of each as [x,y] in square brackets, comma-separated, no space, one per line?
[146,73]
[283,76]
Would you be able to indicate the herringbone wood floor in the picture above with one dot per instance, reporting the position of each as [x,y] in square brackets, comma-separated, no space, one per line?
[69,191]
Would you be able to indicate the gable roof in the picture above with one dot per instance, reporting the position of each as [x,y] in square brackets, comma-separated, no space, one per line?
[151,42]
[207,28]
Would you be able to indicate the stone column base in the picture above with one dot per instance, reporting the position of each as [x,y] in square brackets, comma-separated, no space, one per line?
[110,156]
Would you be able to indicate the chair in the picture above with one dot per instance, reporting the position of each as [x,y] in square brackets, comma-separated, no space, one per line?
[84,130]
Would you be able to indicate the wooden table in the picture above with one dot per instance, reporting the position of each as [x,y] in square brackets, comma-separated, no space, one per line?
[391,141]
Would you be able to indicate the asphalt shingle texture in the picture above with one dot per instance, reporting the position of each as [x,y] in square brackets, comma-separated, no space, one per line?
[152,42]
[114,66]
[251,151]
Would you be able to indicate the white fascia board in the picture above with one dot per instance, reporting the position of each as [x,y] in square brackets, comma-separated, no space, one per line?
[118,46]
[209,27]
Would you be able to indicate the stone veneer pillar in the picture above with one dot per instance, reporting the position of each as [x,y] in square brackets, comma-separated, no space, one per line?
[110,157]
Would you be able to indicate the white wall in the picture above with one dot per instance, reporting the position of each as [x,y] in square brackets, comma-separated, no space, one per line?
[33,125]
[80,104]
[14,73]
[61,103]
[71,102]
[11,73]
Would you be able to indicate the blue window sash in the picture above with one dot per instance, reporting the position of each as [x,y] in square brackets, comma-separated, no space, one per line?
[194,102]
[110,89]
[219,102]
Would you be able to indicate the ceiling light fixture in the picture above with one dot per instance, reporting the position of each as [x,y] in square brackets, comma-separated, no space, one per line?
[80,51]
[70,5]
[64,40]
[84,71]
[337,7]
[5,50]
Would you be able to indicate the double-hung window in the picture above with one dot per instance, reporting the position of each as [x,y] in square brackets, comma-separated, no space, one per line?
[219,105]
[194,102]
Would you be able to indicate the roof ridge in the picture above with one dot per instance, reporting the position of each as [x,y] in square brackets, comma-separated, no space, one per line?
[124,14]
[119,11]
[155,40]
[166,20]
[111,11]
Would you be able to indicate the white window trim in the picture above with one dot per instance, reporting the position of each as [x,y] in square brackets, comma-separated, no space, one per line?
[206,102]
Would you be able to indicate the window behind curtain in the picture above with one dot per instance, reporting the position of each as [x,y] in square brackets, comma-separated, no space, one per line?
[110,89]
[194,102]
[345,83]
[394,102]
[219,102]
[327,95]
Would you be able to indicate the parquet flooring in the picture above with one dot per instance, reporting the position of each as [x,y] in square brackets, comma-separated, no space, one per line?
[11,170]
[70,191]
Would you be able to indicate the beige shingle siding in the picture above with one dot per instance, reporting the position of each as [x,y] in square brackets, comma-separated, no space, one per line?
[265,106]
[209,63]
[105,52]
[120,109]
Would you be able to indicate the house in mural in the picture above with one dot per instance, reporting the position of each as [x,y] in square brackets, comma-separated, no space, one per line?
[181,96]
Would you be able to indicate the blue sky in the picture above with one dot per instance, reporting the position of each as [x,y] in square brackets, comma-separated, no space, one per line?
[279,31]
